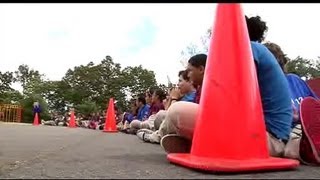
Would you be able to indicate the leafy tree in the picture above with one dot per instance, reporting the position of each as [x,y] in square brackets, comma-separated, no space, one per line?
[137,79]
[306,68]
[86,87]
[30,79]
[86,108]
[6,80]
[95,83]
[54,93]
[193,49]
[27,105]
[10,97]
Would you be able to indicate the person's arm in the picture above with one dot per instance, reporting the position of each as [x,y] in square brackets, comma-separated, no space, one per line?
[174,97]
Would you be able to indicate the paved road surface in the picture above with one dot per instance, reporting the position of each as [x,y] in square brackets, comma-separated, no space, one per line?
[27,151]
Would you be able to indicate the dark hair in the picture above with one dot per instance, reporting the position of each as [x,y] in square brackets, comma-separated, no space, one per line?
[150,91]
[256,28]
[161,93]
[184,74]
[278,54]
[198,60]
[142,99]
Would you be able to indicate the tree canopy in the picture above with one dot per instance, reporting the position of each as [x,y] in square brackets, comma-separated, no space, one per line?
[85,87]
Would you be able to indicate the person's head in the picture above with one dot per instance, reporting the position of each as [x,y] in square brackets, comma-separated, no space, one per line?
[278,54]
[133,106]
[158,96]
[184,84]
[36,103]
[141,101]
[148,95]
[256,28]
[196,67]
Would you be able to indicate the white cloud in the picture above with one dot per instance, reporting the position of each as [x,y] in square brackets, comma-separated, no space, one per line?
[54,37]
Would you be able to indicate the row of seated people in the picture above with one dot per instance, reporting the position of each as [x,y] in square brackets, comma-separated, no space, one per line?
[92,121]
[281,94]
[147,110]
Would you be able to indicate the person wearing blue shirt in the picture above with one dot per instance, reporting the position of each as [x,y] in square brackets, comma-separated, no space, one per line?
[189,97]
[37,110]
[299,90]
[185,90]
[275,98]
[274,90]
[143,112]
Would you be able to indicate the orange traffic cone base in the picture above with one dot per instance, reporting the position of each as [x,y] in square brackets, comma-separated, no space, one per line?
[228,165]
[110,130]
[36,120]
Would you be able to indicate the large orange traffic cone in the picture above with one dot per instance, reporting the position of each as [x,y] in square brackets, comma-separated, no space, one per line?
[72,122]
[110,124]
[36,120]
[230,134]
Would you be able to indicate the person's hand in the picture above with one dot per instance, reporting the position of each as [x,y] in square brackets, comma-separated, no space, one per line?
[175,93]
[295,114]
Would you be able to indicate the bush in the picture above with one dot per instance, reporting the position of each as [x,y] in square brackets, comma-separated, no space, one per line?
[27,105]
[86,108]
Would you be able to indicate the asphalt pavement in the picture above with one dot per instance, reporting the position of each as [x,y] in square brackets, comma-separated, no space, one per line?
[28,151]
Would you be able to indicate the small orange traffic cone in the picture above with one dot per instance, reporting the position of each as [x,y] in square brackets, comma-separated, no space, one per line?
[110,124]
[230,134]
[36,120]
[72,122]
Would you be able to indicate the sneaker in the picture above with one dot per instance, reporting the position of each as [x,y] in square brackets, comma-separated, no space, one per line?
[143,136]
[155,137]
[310,141]
[173,143]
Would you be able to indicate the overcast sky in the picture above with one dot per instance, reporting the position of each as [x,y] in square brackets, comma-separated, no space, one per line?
[54,37]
